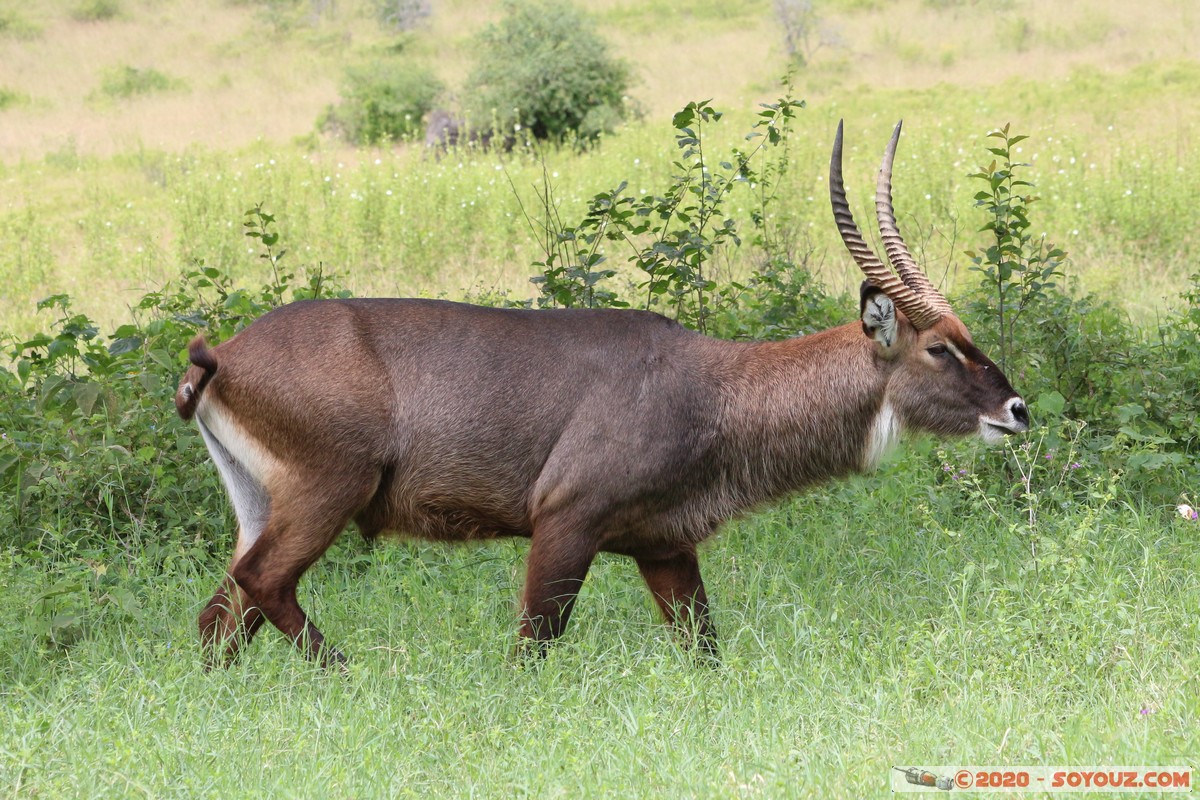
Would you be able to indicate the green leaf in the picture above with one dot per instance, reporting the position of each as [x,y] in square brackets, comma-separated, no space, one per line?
[1050,404]
[124,600]
[85,395]
[124,345]
[50,388]
[163,359]
[149,381]
[61,300]
[1128,412]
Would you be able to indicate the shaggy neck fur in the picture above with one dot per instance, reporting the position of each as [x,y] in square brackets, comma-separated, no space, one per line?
[802,411]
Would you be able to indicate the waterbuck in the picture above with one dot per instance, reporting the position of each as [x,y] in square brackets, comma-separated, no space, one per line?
[583,430]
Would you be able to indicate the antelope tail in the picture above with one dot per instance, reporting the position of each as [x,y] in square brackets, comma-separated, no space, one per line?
[204,366]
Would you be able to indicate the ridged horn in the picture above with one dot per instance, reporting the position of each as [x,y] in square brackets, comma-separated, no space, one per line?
[919,313]
[898,254]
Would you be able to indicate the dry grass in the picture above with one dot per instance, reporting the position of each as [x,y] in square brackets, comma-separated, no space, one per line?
[913,44]
[242,83]
[247,80]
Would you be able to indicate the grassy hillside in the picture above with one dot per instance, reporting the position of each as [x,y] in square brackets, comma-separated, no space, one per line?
[107,195]
[254,70]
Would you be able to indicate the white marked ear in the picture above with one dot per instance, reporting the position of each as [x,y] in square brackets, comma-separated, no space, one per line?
[879,317]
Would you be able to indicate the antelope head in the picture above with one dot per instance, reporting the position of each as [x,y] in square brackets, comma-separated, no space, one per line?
[940,381]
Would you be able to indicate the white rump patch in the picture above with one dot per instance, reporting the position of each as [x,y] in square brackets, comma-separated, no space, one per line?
[884,433]
[245,466]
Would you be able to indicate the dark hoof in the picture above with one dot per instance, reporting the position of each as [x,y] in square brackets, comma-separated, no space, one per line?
[531,652]
[334,660]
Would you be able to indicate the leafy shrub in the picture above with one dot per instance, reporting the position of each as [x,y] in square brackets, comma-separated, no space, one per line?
[123,82]
[381,100]
[781,299]
[545,68]
[1158,414]
[96,10]
[14,25]
[1077,357]
[89,447]
[10,98]
[1019,270]
[672,237]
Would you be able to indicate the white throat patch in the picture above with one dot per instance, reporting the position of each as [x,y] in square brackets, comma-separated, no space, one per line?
[882,437]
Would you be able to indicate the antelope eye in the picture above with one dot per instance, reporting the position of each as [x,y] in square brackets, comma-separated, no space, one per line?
[937,350]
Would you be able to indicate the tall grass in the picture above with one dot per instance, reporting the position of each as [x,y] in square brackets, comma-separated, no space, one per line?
[870,624]
[400,222]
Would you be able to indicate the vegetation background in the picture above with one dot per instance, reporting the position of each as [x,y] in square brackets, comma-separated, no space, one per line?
[1037,605]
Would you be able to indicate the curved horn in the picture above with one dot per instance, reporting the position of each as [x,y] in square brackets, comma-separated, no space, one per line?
[919,313]
[898,254]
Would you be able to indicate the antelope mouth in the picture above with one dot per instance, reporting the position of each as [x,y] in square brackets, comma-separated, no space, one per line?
[994,432]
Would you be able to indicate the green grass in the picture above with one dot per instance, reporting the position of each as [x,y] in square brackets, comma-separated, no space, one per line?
[857,634]
[10,99]
[123,82]
[15,26]
[96,11]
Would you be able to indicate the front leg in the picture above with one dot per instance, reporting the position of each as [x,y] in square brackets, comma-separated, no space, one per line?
[675,582]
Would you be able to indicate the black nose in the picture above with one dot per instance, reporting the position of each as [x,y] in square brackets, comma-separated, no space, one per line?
[1020,413]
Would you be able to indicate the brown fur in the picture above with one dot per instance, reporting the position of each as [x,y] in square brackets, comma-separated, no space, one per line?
[586,431]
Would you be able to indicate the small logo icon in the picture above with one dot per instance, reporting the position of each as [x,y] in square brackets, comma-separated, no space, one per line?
[923,777]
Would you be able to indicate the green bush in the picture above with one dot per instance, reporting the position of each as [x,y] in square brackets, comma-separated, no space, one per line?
[96,10]
[10,98]
[383,99]
[672,238]
[91,451]
[123,82]
[14,25]
[545,68]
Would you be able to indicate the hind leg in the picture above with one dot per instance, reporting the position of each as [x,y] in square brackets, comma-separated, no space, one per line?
[306,516]
[230,619]
[228,622]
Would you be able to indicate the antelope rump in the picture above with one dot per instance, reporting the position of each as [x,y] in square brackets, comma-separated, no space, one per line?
[583,430]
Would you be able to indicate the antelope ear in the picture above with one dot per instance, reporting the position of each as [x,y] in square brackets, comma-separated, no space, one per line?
[878,314]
